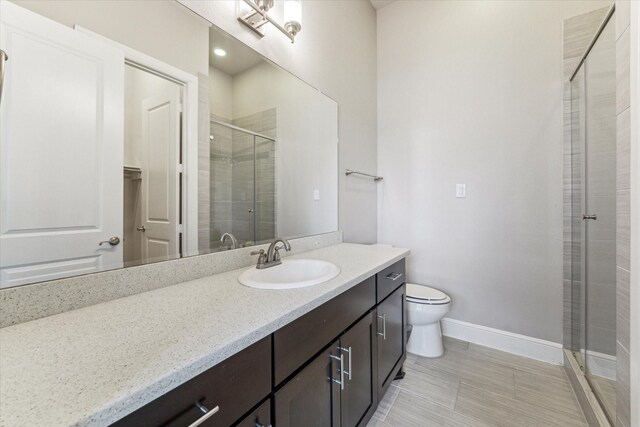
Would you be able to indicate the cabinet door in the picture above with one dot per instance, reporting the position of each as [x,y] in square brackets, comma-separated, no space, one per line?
[261,417]
[391,337]
[358,396]
[312,398]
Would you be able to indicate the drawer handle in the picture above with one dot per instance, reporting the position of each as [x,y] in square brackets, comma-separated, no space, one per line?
[393,276]
[341,370]
[348,350]
[384,326]
[208,413]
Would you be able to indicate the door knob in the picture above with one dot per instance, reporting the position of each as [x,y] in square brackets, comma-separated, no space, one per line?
[113,241]
[141,229]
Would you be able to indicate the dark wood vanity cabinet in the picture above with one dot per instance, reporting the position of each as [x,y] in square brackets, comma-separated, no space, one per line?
[390,316]
[261,417]
[358,397]
[328,368]
[235,385]
[312,397]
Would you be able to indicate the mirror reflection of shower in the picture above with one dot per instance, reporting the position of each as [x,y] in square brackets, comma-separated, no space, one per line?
[242,180]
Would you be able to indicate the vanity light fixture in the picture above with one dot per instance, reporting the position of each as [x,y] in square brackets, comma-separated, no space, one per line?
[255,16]
[220,52]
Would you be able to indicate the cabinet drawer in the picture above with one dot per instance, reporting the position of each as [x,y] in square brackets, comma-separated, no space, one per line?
[234,385]
[298,341]
[389,279]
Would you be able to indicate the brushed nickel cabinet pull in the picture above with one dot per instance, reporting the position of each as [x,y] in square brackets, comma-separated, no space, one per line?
[208,413]
[341,370]
[348,350]
[393,276]
[384,326]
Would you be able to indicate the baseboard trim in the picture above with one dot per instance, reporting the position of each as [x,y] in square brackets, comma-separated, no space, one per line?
[600,364]
[522,345]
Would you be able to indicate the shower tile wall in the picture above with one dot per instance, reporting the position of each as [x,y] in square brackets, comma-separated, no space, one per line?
[265,123]
[601,200]
[220,182]
[623,392]
[232,179]
[204,165]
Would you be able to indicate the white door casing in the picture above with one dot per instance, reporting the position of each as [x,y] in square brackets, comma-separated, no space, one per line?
[160,176]
[189,136]
[61,150]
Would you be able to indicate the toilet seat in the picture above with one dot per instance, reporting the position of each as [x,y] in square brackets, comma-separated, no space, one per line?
[425,295]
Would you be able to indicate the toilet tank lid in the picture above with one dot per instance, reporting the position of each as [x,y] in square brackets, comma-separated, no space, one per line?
[424,292]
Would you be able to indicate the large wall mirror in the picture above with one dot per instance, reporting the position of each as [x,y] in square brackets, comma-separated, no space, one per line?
[135,132]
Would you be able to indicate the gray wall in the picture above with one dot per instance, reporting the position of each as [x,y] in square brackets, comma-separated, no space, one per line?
[471,92]
[335,52]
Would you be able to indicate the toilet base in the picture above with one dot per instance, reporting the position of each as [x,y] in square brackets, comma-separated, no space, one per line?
[426,340]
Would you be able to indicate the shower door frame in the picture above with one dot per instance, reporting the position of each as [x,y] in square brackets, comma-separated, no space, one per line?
[217,121]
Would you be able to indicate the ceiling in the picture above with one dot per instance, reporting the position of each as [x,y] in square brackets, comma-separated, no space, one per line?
[239,56]
[379,4]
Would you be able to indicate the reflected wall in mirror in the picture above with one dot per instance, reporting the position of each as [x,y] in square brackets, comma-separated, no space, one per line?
[126,140]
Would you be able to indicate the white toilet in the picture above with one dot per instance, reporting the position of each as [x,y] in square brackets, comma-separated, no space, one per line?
[425,307]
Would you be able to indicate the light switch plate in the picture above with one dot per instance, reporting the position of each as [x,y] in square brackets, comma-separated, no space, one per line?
[316,194]
[461,191]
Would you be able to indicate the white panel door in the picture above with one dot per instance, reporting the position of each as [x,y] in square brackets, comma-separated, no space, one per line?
[61,130]
[160,176]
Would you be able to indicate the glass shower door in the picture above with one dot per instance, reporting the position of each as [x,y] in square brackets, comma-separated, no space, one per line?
[593,228]
[242,186]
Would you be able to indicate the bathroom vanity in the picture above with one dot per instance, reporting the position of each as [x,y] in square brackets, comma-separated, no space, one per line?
[330,366]
[215,350]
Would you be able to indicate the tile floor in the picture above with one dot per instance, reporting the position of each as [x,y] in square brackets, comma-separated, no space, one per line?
[473,385]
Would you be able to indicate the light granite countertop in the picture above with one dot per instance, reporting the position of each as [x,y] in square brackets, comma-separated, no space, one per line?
[94,365]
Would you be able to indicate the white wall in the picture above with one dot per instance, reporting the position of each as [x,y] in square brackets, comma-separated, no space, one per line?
[306,146]
[162,29]
[470,92]
[335,52]
[221,94]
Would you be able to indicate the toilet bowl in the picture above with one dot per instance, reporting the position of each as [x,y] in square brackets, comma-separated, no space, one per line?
[425,307]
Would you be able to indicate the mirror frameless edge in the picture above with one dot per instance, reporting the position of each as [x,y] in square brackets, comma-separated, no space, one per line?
[264,154]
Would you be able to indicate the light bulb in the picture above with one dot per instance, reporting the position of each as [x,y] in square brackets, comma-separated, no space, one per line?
[293,16]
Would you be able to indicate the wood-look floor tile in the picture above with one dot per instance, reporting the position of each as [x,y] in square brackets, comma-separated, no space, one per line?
[547,392]
[410,410]
[387,401]
[472,370]
[605,389]
[516,362]
[376,422]
[500,411]
[453,344]
[441,389]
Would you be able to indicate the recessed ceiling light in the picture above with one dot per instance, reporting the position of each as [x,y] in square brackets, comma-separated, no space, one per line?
[219,52]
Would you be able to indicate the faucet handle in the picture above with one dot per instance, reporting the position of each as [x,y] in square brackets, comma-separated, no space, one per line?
[276,252]
[262,259]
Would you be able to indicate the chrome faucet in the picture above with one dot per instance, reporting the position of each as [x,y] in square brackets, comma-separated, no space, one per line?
[272,257]
[232,238]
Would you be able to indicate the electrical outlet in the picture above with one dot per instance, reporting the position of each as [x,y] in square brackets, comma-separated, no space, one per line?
[461,191]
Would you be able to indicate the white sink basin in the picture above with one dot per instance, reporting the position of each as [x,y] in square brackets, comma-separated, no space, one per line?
[291,274]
